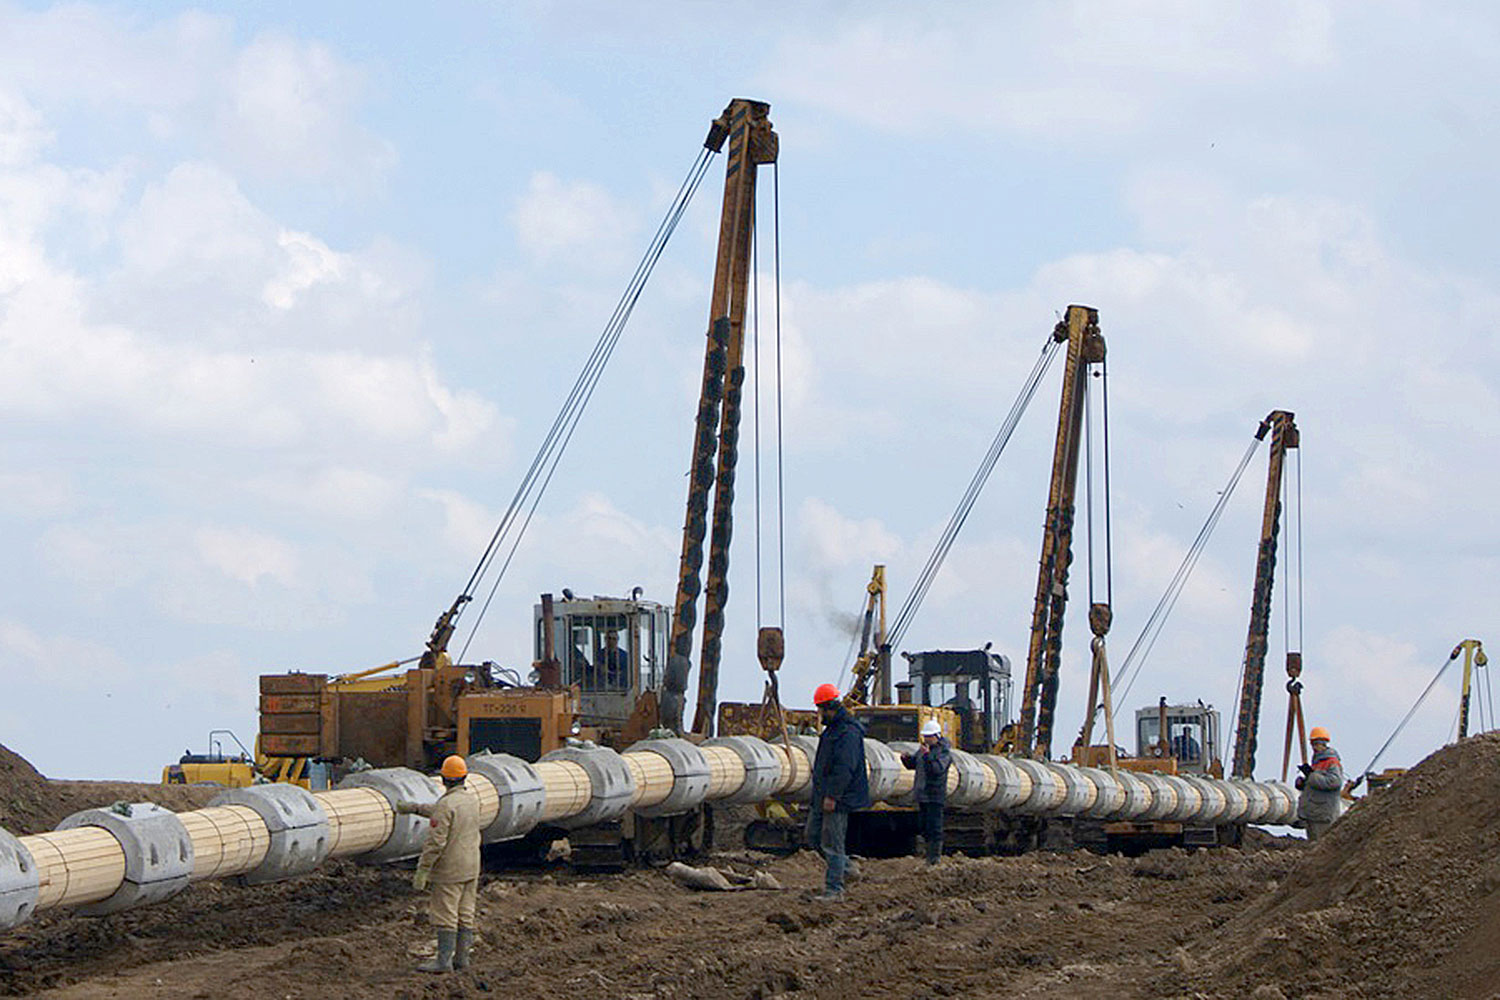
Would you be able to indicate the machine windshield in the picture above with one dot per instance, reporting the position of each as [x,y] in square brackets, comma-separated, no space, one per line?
[596,651]
[1185,737]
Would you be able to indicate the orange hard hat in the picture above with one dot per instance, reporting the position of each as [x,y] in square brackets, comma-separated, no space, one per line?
[454,767]
[1318,733]
[825,693]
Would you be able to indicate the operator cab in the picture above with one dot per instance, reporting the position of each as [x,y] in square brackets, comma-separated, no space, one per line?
[613,648]
[974,684]
[1192,736]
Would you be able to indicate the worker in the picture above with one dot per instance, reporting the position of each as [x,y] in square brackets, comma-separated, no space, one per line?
[449,867]
[614,663]
[930,761]
[1184,747]
[1321,784]
[839,785]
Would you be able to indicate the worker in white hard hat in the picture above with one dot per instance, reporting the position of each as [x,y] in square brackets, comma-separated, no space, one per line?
[930,785]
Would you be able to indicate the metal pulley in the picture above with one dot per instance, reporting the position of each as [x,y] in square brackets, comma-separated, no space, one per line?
[770,648]
[1100,618]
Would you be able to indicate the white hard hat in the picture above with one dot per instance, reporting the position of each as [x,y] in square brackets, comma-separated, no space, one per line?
[931,728]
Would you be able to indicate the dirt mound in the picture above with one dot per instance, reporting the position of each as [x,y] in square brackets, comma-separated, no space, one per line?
[30,803]
[1402,898]
[24,794]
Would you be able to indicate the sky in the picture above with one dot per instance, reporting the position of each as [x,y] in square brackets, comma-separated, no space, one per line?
[290,294]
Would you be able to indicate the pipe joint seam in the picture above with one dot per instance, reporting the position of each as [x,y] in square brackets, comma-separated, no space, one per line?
[1214,802]
[690,776]
[158,853]
[1236,801]
[907,799]
[1109,795]
[1079,792]
[1189,799]
[809,747]
[296,822]
[974,779]
[19,881]
[522,795]
[1012,785]
[611,784]
[1257,800]
[408,833]
[884,768]
[1047,788]
[1137,798]
[762,767]
[1163,797]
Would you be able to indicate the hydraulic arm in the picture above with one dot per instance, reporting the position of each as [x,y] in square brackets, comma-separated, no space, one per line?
[752,141]
[1080,330]
[1282,426]
[874,661]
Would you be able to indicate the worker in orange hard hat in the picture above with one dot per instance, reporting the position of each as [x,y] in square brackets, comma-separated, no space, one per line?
[839,785]
[449,867]
[1321,784]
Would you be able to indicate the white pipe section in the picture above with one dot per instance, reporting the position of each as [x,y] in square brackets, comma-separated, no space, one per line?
[105,860]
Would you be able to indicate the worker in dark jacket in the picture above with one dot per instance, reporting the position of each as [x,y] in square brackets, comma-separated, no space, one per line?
[930,785]
[1321,784]
[840,784]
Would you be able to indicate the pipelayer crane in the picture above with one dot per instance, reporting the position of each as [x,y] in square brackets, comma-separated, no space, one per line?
[437,707]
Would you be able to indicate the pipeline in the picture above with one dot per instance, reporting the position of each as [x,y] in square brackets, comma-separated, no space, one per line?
[102,861]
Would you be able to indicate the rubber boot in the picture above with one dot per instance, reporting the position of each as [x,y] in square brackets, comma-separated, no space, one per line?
[934,851]
[461,948]
[443,960]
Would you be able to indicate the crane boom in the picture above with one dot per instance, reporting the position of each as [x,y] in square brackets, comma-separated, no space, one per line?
[1282,426]
[1080,330]
[751,142]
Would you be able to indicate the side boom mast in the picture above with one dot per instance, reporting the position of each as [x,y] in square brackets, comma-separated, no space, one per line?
[751,141]
[1080,329]
[1282,426]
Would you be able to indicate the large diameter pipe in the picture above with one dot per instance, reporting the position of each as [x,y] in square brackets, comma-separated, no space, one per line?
[104,860]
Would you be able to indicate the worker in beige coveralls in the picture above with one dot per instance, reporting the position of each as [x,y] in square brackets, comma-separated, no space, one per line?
[449,867]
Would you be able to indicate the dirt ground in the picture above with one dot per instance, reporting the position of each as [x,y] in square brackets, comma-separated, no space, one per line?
[1402,899]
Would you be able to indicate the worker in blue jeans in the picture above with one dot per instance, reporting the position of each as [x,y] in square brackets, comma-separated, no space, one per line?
[839,786]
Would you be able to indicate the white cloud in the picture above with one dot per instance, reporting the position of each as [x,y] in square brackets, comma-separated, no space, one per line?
[248,557]
[23,134]
[1048,71]
[291,107]
[575,220]
[277,107]
[309,262]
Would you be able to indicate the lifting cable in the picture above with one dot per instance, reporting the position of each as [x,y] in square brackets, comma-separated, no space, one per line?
[760,618]
[1130,668]
[534,484]
[1405,719]
[929,572]
[1291,505]
[1088,481]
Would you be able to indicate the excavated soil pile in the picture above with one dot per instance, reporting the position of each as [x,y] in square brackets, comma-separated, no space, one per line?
[31,803]
[25,798]
[1402,898]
